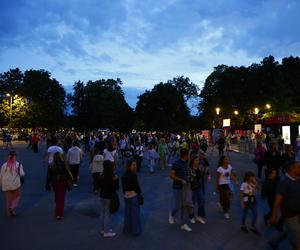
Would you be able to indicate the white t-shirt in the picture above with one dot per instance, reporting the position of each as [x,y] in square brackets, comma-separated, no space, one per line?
[109,156]
[52,150]
[224,175]
[248,188]
[74,155]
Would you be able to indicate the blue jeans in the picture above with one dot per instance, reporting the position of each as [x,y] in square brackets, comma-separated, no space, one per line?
[252,207]
[132,221]
[178,205]
[105,215]
[198,197]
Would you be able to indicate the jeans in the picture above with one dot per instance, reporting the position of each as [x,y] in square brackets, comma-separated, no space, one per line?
[252,207]
[152,165]
[259,169]
[198,197]
[104,215]
[178,205]
[225,197]
[132,221]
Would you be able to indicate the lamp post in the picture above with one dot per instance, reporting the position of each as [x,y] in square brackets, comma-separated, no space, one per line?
[11,97]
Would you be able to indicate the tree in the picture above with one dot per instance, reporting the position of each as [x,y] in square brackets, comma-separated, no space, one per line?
[46,99]
[101,104]
[163,108]
[243,88]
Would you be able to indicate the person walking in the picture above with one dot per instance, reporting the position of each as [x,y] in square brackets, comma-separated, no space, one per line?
[74,157]
[197,179]
[132,193]
[59,178]
[96,168]
[54,148]
[138,154]
[259,154]
[35,142]
[288,201]
[163,152]
[248,201]
[272,159]
[179,174]
[268,192]
[10,180]
[223,182]
[108,184]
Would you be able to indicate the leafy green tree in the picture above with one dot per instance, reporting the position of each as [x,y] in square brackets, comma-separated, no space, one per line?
[46,99]
[163,108]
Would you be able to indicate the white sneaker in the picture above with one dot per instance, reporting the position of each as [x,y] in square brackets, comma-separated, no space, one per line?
[109,235]
[75,185]
[171,219]
[200,219]
[227,216]
[193,221]
[185,227]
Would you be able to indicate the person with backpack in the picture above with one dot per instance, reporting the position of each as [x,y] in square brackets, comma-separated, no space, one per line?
[59,179]
[11,175]
[108,184]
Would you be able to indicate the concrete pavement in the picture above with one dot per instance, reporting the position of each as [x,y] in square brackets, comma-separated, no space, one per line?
[36,228]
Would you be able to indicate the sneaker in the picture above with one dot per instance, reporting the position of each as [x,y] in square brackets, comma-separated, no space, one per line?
[244,229]
[75,185]
[171,219]
[185,227]
[193,221]
[201,220]
[109,235]
[255,231]
[227,216]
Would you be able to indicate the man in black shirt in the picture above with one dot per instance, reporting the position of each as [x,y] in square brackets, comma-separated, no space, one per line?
[288,200]
[179,175]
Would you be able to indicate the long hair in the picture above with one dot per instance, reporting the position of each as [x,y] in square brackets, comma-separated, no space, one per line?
[221,161]
[128,165]
[108,170]
[11,163]
[57,159]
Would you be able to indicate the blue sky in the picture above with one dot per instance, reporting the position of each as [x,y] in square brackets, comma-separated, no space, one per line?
[144,42]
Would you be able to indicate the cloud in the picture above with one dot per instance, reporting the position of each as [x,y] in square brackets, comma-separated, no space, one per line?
[144,42]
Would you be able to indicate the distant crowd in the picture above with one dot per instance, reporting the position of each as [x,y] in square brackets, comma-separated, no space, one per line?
[114,156]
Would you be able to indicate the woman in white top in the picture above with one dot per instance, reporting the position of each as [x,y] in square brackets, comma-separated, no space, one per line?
[96,167]
[10,179]
[224,176]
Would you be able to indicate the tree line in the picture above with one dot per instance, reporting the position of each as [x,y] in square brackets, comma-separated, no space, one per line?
[38,100]
[243,89]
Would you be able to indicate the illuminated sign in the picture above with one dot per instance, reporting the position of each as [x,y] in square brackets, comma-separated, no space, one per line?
[286,134]
[226,122]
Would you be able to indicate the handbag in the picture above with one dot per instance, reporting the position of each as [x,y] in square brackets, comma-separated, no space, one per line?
[22,179]
[140,199]
[114,203]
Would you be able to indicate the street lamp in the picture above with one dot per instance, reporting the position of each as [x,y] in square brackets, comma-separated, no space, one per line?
[10,105]
[218,111]
[268,106]
[236,112]
[256,111]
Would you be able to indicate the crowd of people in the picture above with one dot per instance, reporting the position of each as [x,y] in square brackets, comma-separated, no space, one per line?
[186,157]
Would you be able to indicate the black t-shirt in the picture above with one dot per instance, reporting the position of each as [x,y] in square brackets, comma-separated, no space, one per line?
[181,171]
[290,190]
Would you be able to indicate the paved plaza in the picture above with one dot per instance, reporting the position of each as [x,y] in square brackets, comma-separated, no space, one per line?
[35,226]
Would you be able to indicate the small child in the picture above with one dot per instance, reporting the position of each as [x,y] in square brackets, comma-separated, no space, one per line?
[248,201]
